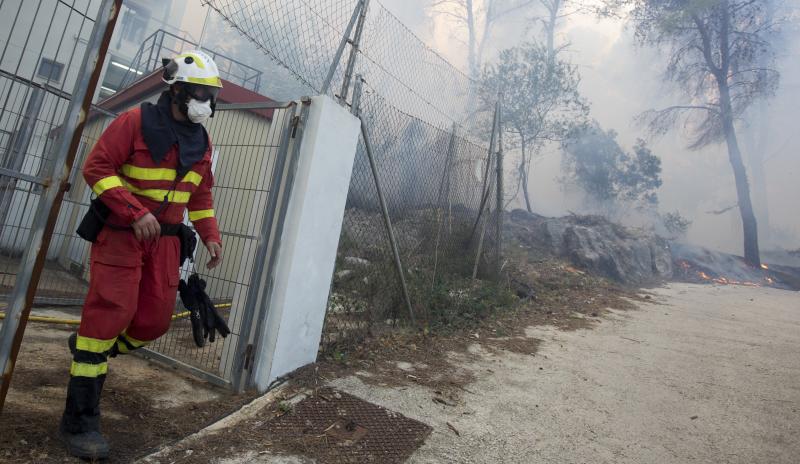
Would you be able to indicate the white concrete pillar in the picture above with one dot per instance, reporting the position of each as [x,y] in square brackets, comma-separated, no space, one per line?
[305,261]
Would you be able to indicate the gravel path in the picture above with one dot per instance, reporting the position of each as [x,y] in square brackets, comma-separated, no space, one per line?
[704,374]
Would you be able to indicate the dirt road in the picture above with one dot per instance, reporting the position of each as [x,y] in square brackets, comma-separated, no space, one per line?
[705,374]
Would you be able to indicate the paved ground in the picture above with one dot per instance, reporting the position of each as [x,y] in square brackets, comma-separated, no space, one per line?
[702,374]
[706,375]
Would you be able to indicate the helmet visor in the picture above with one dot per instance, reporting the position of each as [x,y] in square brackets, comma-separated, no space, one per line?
[202,92]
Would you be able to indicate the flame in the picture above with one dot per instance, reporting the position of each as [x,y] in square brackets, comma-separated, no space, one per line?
[722,280]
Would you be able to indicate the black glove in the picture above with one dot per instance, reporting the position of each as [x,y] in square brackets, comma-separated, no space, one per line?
[188,241]
[192,304]
[210,319]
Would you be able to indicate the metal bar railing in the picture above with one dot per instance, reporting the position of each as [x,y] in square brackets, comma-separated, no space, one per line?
[21,299]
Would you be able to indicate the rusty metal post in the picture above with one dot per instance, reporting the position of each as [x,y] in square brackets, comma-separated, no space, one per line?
[63,156]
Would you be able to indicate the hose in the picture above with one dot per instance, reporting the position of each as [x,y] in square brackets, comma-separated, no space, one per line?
[58,320]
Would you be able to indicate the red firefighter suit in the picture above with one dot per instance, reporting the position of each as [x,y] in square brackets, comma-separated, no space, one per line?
[133,284]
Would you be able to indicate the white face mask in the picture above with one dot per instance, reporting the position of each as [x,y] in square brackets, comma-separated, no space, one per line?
[198,111]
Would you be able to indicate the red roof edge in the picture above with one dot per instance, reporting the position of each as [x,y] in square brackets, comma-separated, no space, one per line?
[152,83]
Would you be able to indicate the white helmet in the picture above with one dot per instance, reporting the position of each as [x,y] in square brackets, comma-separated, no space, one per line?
[193,67]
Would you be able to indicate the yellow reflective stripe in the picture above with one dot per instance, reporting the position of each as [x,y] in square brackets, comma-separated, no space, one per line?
[139,173]
[94,345]
[192,177]
[135,172]
[87,370]
[212,81]
[197,60]
[135,342]
[122,347]
[158,194]
[106,183]
[201,214]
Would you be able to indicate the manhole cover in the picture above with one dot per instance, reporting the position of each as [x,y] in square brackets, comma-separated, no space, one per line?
[332,426]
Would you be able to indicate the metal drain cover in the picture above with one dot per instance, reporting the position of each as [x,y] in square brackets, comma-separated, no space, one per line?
[332,426]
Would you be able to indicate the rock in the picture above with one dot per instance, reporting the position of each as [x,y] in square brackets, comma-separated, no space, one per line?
[554,230]
[597,245]
[343,274]
[662,258]
[354,261]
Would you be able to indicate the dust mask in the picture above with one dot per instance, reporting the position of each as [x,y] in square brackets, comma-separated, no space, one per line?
[198,111]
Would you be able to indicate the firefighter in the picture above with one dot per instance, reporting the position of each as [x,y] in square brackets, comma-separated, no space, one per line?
[150,165]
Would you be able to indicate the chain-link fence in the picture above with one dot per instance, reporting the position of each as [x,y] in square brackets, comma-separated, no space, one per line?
[427,129]
[304,35]
[435,183]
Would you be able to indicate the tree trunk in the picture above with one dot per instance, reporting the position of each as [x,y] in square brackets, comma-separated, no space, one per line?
[523,175]
[550,29]
[749,223]
[472,52]
[755,143]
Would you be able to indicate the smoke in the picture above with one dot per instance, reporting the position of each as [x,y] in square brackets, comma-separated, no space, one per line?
[621,81]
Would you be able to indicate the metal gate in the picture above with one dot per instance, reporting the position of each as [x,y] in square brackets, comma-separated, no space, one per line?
[255,153]
[49,66]
[255,146]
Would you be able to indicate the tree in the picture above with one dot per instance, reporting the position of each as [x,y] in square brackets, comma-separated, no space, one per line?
[720,55]
[540,102]
[478,18]
[610,177]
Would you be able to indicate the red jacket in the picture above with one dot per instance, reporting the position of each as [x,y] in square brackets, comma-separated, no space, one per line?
[121,171]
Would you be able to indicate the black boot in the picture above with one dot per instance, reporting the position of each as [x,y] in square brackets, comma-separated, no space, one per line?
[86,445]
[72,343]
[80,423]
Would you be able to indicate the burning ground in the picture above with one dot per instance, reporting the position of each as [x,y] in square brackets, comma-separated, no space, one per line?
[700,265]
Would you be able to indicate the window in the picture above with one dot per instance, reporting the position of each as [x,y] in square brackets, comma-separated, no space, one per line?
[50,70]
[134,23]
[5,147]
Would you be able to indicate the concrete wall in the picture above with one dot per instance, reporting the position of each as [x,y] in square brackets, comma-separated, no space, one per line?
[305,261]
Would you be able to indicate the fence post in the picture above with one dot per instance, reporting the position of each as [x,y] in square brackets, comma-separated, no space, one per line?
[358,87]
[484,190]
[326,85]
[445,176]
[388,222]
[354,47]
[500,193]
[21,298]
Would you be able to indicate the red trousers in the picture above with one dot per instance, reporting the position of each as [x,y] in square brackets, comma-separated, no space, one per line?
[132,287]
